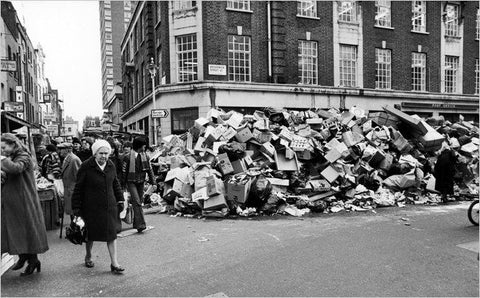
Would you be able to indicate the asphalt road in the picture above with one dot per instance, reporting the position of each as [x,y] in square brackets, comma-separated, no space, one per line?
[411,251]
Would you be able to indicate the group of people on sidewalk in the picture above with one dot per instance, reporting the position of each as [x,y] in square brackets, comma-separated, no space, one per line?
[93,191]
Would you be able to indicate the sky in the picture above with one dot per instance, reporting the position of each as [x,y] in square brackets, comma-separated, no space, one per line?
[69,32]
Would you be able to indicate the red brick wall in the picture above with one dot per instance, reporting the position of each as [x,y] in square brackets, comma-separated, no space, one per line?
[402,42]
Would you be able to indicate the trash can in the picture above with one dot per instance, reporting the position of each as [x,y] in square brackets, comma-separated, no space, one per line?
[48,201]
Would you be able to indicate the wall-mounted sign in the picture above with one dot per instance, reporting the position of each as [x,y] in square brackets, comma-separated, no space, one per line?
[452,106]
[13,106]
[19,93]
[47,98]
[50,117]
[217,70]
[52,129]
[8,65]
[159,113]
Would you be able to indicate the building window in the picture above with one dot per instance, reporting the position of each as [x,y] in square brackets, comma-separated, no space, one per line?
[419,73]
[347,11]
[419,16]
[239,58]
[181,4]
[239,4]
[69,129]
[109,47]
[348,66]
[92,122]
[478,23]
[383,13]
[108,24]
[451,20]
[307,62]
[451,71]
[307,8]
[477,77]
[108,37]
[140,28]
[383,74]
[158,13]
[108,12]
[187,58]
[131,50]
[134,40]
[183,119]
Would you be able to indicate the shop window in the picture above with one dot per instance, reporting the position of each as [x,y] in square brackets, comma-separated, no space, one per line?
[183,119]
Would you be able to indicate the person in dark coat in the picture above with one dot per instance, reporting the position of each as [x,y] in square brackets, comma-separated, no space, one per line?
[23,226]
[117,161]
[96,200]
[86,151]
[444,171]
[135,166]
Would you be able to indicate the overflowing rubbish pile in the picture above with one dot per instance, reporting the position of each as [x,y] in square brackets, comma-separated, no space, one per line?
[298,162]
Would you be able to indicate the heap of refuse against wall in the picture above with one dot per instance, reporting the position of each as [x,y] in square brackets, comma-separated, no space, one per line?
[298,162]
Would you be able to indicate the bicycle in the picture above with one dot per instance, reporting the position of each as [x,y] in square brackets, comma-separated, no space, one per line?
[473,212]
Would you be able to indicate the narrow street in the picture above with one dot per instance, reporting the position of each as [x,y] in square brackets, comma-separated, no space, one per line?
[411,251]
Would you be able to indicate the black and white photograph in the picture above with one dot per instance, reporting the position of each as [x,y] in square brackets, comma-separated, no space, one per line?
[239,148]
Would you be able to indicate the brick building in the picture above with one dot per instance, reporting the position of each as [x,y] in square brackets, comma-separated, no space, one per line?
[243,55]
[114,19]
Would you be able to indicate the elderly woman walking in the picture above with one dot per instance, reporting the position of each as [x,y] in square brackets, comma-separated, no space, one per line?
[96,198]
[23,225]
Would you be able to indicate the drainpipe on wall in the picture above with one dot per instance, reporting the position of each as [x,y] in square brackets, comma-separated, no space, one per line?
[269,33]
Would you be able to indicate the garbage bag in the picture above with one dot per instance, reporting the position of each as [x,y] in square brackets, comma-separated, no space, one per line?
[272,204]
[384,198]
[317,206]
[401,181]
[259,192]
[234,150]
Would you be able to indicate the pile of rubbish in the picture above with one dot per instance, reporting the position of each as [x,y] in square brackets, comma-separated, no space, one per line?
[298,162]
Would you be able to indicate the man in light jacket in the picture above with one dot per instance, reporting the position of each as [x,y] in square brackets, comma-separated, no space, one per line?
[71,164]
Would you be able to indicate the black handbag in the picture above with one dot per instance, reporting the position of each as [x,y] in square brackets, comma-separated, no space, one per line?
[75,234]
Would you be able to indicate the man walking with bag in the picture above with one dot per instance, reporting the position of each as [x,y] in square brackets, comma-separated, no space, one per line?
[135,167]
[71,164]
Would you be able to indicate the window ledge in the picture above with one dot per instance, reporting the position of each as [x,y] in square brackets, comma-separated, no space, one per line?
[384,27]
[419,91]
[453,37]
[384,89]
[348,23]
[420,32]
[239,10]
[307,17]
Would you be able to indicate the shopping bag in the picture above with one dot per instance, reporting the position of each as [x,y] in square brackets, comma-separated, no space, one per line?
[127,213]
[58,183]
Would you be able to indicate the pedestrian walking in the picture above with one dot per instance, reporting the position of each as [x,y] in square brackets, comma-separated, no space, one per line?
[96,198]
[86,150]
[70,166]
[127,147]
[135,167]
[76,146]
[444,171]
[117,161]
[51,164]
[23,226]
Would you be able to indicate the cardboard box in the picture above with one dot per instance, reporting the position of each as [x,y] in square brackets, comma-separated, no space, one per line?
[386,163]
[235,120]
[315,121]
[201,122]
[469,149]
[239,191]
[286,134]
[279,185]
[333,155]
[268,149]
[352,138]
[320,185]
[262,136]
[178,173]
[225,164]
[330,174]
[248,160]
[217,145]
[284,164]
[200,196]
[200,177]
[243,135]
[183,190]
[407,119]
[376,159]
[239,166]
[347,117]
[228,134]
[215,186]
[303,155]
[215,202]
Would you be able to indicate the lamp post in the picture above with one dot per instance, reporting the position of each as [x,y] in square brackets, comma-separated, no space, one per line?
[152,68]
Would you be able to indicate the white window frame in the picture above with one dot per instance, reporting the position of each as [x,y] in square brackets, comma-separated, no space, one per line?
[183,5]
[239,58]
[452,26]
[307,9]
[383,13]
[347,11]
[451,65]
[187,57]
[308,62]
[240,5]
[419,16]
[348,63]
[383,70]
[419,71]
[477,77]
[478,24]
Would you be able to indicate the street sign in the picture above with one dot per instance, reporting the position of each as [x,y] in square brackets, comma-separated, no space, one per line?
[159,113]
[53,129]
[217,70]
[13,106]
[9,65]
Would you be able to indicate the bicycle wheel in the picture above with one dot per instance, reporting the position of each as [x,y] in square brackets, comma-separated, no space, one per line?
[473,213]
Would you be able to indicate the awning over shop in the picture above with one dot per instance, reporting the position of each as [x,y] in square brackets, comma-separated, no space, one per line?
[11,122]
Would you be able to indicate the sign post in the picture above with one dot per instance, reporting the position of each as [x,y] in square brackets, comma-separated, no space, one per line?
[159,113]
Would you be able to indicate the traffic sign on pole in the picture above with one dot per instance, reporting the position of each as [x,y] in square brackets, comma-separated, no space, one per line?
[159,113]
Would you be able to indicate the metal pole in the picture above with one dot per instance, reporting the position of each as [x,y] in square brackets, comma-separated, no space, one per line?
[154,107]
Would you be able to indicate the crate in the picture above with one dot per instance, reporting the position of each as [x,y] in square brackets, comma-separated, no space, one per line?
[49,207]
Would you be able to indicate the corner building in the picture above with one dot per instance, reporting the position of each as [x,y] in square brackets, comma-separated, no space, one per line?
[421,56]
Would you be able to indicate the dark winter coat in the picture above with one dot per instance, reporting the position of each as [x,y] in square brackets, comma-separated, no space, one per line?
[96,197]
[23,225]
[444,172]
